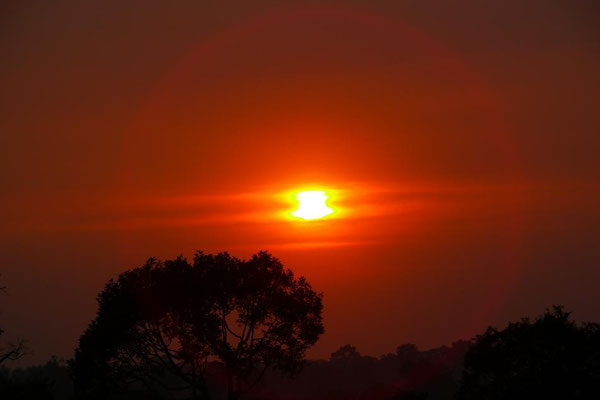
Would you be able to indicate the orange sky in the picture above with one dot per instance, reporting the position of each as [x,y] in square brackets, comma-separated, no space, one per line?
[461,143]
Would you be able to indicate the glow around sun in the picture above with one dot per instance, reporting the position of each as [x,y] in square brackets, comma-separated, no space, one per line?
[312,204]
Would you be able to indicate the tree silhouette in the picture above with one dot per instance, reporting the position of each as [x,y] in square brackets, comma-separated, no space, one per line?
[161,327]
[550,358]
[345,353]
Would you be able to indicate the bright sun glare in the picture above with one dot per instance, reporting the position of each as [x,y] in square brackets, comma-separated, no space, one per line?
[312,204]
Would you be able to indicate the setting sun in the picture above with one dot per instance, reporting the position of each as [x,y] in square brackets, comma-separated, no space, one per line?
[312,204]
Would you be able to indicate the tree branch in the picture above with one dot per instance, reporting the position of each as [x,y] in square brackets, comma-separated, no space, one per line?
[14,352]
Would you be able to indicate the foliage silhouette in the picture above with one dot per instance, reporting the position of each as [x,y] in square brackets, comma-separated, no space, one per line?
[345,353]
[549,358]
[166,326]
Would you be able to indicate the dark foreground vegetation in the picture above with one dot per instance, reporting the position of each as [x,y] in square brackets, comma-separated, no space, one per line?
[224,328]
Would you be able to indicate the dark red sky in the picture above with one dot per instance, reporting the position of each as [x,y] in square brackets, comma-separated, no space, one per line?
[462,141]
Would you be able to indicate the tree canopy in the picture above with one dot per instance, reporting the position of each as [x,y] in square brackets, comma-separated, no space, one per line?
[164,326]
[548,358]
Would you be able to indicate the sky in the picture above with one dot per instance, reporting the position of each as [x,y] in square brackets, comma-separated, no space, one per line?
[458,141]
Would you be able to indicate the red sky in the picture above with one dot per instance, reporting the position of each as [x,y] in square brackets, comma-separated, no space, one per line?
[461,141]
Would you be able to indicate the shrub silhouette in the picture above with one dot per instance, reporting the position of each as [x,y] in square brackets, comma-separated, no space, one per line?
[166,326]
[549,358]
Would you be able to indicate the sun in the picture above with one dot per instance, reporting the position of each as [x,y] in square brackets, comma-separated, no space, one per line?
[312,204]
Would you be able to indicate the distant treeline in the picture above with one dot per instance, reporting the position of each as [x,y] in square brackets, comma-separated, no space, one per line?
[405,374]
[550,357]
[346,375]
